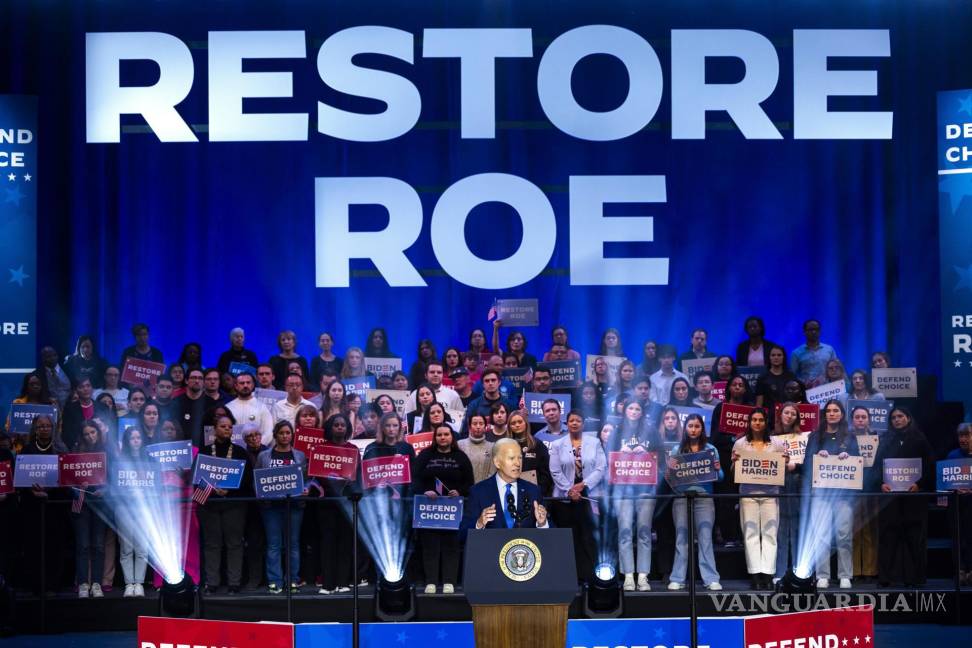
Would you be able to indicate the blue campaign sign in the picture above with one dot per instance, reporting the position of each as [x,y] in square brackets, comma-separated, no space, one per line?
[173,455]
[724,632]
[35,469]
[683,413]
[22,416]
[901,474]
[878,411]
[518,377]
[693,468]
[954,474]
[751,374]
[278,482]
[18,232]
[564,373]
[518,312]
[437,512]
[534,405]
[359,385]
[237,368]
[220,472]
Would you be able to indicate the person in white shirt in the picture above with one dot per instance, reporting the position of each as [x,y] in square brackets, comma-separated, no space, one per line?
[661,380]
[286,409]
[247,409]
[448,397]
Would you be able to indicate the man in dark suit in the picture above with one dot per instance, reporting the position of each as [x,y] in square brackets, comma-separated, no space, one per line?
[505,501]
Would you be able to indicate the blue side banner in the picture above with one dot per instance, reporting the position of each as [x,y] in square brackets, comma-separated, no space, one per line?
[18,232]
[581,633]
[955,242]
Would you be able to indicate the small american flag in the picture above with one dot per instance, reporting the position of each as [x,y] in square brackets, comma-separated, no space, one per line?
[440,488]
[201,495]
[491,315]
[78,502]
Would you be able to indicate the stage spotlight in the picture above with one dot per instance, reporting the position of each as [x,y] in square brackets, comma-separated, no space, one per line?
[603,593]
[178,599]
[394,600]
[793,584]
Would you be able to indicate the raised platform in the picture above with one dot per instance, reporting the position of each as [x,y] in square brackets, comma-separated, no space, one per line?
[935,603]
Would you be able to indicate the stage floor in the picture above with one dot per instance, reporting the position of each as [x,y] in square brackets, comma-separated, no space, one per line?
[935,603]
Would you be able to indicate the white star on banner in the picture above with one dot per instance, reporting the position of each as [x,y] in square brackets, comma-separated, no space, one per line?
[27,177]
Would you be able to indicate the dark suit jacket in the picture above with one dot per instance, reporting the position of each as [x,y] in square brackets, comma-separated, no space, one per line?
[485,494]
[74,418]
[742,353]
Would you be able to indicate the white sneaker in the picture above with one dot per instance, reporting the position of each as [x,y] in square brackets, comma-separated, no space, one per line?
[83,590]
[448,588]
[129,591]
[845,583]
[342,590]
[324,590]
[776,580]
[713,587]
[363,583]
[823,583]
[138,591]
[96,590]
[430,588]
[629,583]
[643,585]
[673,586]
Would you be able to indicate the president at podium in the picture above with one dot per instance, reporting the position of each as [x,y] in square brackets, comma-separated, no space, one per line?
[505,501]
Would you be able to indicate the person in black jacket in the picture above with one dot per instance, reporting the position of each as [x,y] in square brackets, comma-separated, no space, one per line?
[756,346]
[78,411]
[441,469]
[236,353]
[903,521]
[536,458]
[85,363]
[223,523]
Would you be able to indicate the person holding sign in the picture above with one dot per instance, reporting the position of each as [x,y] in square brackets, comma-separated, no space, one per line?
[727,520]
[89,528]
[282,453]
[788,527]
[42,441]
[535,458]
[694,440]
[903,521]
[866,508]
[335,529]
[830,508]
[441,469]
[769,386]
[133,553]
[390,442]
[578,466]
[515,343]
[635,503]
[223,523]
[759,516]
[33,391]
[964,451]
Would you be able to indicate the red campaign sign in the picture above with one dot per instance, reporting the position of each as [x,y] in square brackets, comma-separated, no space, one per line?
[420,442]
[809,415]
[719,390]
[734,419]
[305,437]
[332,461]
[157,632]
[80,468]
[385,471]
[143,373]
[6,477]
[851,627]
[633,468]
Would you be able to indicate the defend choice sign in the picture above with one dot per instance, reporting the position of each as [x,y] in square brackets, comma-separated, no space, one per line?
[77,469]
[278,482]
[877,412]
[823,393]
[692,468]
[898,382]
[633,468]
[831,472]
[332,461]
[436,512]
[760,468]
[563,374]
[901,474]
[385,471]
[868,445]
[734,419]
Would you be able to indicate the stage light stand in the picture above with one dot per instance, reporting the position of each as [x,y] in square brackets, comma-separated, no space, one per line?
[394,600]
[602,595]
[178,600]
[793,584]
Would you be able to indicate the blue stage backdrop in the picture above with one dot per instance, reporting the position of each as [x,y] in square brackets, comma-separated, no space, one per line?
[760,205]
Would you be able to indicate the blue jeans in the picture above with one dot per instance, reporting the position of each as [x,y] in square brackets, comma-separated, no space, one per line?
[704,510]
[273,524]
[626,518]
[89,546]
[788,532]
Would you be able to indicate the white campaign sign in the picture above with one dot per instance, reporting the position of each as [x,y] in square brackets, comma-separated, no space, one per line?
[823,393]
[868,445]
[896,382]
[797,445]
[832,472]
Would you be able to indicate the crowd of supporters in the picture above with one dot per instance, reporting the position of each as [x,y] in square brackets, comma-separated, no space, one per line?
[462,396]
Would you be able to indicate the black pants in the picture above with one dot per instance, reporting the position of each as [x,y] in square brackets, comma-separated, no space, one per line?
[903,540]
[664,527]
[578,517]
[965,532]
[57,537]
[336,549]
[222,523]
[256,546]
[440,548]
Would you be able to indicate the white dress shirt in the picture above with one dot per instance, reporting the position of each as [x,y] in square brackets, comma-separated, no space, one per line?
[283,410]
[448,397]
[501,489]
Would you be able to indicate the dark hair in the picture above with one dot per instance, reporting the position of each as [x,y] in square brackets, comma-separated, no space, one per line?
[715,367]
[206,372]
[494,372]
[329,427]
[551,400]
[867,381]
[369,407]
[45,393]
[126,438]
[665,351]
[186,347]
[81,446]
[377,352]
[774,347]
[453,445]
[478,415]
[281,424]
[617,333]
[912,426]
[512,334]
[749,425]
[541,369]
[138,327]
[842,431]
[671,392]
[700,374]
[758,320]
[747,396]
[210,416]
[427,420]
[807,322]
[82,339]
[497,405]
[575,412]
[106,396]
[686,442]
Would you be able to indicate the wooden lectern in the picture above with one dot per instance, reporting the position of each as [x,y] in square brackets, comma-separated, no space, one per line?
[520,583]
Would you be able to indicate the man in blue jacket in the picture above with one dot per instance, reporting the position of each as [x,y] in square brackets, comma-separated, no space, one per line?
[504,501]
